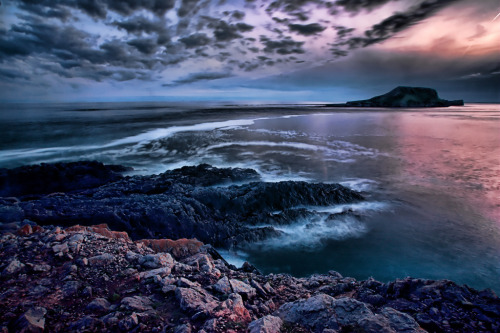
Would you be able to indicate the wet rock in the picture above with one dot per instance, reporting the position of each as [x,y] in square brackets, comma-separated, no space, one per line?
[266,324]
[137,303]
[32,320]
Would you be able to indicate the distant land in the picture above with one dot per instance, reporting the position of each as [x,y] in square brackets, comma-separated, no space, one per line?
[404,97]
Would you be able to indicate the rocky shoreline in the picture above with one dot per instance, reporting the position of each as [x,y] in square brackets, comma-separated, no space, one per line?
[64,276]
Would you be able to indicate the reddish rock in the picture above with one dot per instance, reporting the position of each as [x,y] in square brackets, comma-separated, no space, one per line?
[101,229]
[25,231]
[179,249]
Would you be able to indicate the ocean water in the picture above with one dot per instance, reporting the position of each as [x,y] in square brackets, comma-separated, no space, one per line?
[431,176]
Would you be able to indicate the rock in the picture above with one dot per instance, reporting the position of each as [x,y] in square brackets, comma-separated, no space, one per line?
[129,322]
[87,324]
[99,304]
[41,268]
[242,288]
[32,320]
[195,300]
[70,288]
[179,249]
[15,266]
[406,97]
[349,311]
[58,177]
[25,230]
[156,260]
[184,328]
[137,303]
[323,311]
[163,271]
[266,324]
[60,248]
[399,321]
[233,309]
[101,260]
[223,286]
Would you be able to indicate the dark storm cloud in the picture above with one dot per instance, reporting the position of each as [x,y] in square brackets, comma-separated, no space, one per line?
[357,5]
[401,21]
[144,45]
[243,27]
[186,7]
[140,24]
[95,8]
[225,32]
[282,47]
[203,76]
[307,29]
[393,24]
[195,40]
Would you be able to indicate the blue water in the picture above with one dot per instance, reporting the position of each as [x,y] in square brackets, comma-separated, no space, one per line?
[431,177]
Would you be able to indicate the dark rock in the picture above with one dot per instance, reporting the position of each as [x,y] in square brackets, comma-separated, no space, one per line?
[266,324]
[99,304]
[59,177]
[406,97]
[137,303]
[183,203]
[32,320]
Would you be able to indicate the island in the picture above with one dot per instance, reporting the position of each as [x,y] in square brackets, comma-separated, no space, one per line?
[402,97]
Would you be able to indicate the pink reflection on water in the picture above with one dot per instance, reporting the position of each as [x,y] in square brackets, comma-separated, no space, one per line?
[462,157]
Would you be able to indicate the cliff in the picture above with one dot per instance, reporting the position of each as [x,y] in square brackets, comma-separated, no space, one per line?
[406,97]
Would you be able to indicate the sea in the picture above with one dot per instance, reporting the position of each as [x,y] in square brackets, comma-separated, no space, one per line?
[431,177]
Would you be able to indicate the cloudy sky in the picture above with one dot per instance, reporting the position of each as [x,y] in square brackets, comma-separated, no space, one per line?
[247,50]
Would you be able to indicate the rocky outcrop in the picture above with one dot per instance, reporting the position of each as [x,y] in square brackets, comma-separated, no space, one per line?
[405,97]
[202,202]
[144,289]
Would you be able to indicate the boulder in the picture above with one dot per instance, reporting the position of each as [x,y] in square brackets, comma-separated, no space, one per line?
[266,324]
[137,303]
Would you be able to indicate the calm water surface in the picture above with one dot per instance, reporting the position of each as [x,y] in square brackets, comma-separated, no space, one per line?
[431,177]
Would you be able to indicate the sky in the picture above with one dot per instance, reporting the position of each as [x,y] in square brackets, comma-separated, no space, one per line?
[247,50]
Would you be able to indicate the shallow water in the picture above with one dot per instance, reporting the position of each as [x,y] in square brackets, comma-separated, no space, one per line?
[431,177]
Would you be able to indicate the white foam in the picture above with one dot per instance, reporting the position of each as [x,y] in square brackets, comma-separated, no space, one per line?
[359,184]
[309,234]
[161,133]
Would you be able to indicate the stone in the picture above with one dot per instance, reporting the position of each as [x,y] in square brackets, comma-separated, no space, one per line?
[223,286]
[137,303]
[32,320]
[400,321]
[101,260]
[70,288]
[195,300]
[129,322]
[180,248]
[87,324]
[348,311]
[99,304]
[60,248]
[184,328]
[163,271]
[242,288]
[266,324]
[41,268]
[15,266]
[156,260]
[233,309]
